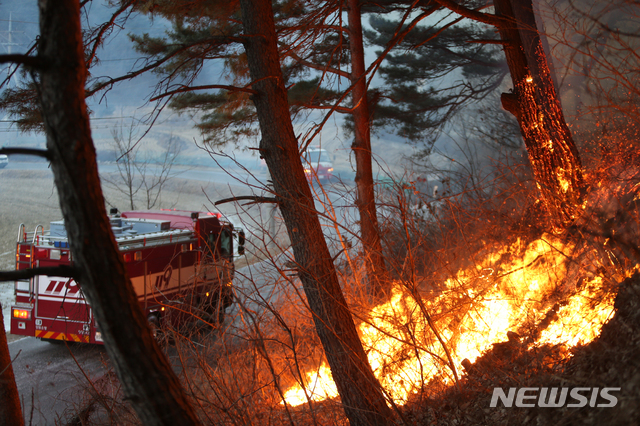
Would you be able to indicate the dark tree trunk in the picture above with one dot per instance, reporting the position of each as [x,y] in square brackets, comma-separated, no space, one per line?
[145,374]
[553,155]
[10,409]
[365,201]
[361,394]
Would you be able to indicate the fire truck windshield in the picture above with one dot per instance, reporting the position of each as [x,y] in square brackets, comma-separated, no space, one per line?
[225,243]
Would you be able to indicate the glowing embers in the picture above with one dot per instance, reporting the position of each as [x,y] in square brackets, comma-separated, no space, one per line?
[519,288]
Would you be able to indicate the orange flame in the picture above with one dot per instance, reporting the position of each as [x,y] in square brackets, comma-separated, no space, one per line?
[509,290]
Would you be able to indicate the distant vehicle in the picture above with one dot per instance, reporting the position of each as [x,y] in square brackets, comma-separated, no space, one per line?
[317,164]
[4,161]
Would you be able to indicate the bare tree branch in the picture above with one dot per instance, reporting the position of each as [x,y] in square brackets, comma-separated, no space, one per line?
[250,198]
[306,63]
[476,15]
[26,151]
[20,59]
[154,65]
[10,74]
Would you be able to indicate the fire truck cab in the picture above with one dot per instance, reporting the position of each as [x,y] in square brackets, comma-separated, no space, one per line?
[180,263]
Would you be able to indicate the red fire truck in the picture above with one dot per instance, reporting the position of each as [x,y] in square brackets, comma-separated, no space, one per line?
[180,264]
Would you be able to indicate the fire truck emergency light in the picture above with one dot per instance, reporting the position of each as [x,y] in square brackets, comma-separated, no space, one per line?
[22,313]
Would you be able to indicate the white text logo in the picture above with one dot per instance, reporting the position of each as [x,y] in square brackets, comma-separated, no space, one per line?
[555,397]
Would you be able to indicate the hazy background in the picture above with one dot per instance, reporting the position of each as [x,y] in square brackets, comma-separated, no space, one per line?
[127,101]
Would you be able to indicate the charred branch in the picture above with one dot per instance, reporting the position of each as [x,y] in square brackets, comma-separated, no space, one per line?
[26,151]
[510,103]
[54,271]
[19,59]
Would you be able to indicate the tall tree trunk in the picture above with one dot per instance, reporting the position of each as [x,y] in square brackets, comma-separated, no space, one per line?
[553,155]
[544,40]
[10,409]
[362,397]
[145,374]
[365,201]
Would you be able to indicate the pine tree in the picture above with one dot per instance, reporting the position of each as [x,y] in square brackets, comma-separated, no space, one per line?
[438,68]
[360,392]
[144,372]
[554,158]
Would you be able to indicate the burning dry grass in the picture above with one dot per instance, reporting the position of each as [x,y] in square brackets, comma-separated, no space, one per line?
[418,340]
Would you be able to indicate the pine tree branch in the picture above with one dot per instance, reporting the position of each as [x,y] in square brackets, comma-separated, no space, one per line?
[52,271]
[210,86]
[471,59]
[397,39]
[336,108]
[437,33]
[336,28]
[488,41]
[13,72]
[308,64]
[20,59]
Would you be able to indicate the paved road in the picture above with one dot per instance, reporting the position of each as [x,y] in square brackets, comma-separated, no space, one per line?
[50,377]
